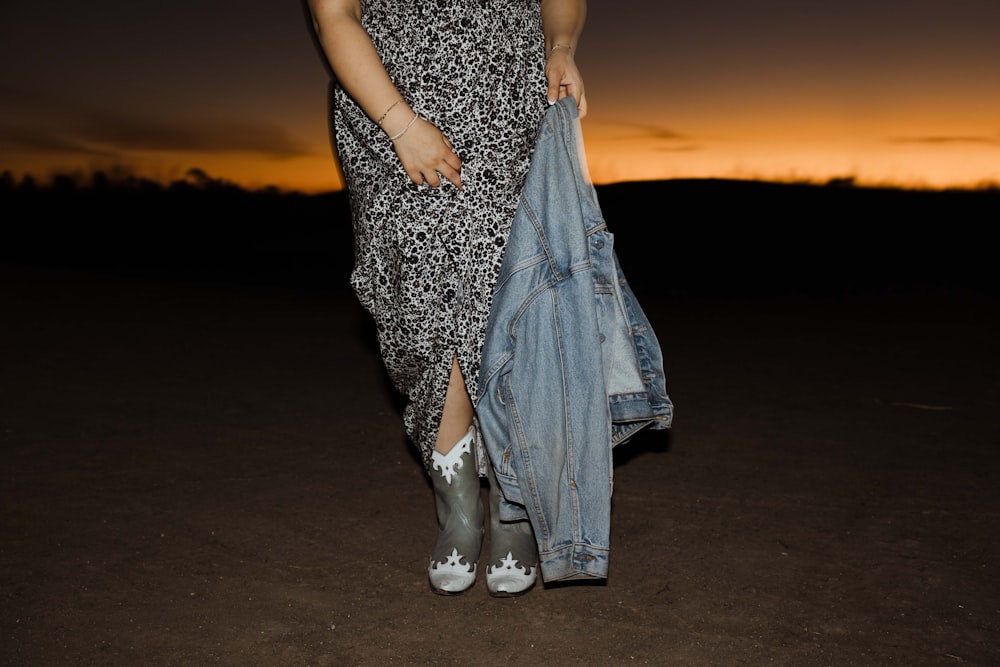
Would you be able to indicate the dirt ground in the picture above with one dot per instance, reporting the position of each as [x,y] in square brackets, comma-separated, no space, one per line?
[200,475]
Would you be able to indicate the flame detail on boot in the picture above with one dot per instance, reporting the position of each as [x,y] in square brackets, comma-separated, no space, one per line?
[450,463]
[452,575]
[510,575]
[509,578]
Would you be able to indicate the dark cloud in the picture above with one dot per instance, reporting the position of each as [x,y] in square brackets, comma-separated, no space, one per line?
[59,127]
[642,131]
[686,148]
[21,139]
[209,136]
[991,141]
[662,139]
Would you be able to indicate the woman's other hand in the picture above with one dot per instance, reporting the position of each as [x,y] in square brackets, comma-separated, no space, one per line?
[564,78]
[562,21]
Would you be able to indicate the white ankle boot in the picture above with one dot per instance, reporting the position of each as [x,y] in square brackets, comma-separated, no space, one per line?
[460,517]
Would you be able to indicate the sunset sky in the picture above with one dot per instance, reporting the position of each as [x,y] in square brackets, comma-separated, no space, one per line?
[885,91]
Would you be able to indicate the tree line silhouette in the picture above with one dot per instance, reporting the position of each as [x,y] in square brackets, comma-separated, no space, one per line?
[707,238]
[121,179]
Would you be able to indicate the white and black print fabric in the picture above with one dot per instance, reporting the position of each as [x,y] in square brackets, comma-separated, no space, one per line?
[426,259]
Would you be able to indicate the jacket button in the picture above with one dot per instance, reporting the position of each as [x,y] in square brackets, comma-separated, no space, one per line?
[599,244]
[601,336]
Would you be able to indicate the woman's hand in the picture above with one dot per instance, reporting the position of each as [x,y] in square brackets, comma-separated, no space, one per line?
[427,155]
[562,21]
[423,150]
[564,78]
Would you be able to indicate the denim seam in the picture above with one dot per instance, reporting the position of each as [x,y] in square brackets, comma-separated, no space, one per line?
[538,291]
[542,525]
[542,238]
[570,457]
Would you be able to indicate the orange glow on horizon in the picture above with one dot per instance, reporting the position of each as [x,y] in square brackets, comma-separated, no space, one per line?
[891,93]
[919,151]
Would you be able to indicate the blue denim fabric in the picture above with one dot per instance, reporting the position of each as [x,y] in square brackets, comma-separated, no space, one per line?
[571,367]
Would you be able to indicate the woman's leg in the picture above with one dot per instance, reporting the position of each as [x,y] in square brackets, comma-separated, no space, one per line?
[457,416]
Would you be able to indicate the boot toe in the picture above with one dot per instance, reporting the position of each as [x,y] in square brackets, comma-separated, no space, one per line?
[451,576]
[508,578]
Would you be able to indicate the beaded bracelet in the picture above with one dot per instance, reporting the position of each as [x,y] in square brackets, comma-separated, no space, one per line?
[557,46]
[391,107]
[408,126]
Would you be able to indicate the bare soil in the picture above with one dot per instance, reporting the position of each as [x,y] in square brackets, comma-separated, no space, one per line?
[196,475]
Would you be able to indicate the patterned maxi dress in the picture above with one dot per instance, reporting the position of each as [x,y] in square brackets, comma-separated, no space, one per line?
[426,259]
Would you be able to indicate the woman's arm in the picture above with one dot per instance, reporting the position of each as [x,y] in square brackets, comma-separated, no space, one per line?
[422,149]
[562,21]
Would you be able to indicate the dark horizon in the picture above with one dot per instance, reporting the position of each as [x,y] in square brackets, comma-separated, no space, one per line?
[715,238]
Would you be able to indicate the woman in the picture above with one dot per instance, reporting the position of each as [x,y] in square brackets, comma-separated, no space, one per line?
[436,109]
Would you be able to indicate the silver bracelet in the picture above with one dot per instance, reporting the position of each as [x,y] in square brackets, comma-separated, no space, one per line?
[408,126]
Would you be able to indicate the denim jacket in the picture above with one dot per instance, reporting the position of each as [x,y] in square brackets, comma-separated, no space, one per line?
[570,367]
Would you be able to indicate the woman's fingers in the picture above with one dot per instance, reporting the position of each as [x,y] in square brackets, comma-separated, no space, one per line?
[452,160]
[556,89]
[416,176]
[452,169]
[564,79]
[453,175]
[449,167]
[427,156]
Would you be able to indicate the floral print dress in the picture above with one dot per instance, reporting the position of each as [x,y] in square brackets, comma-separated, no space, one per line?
[427,259]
